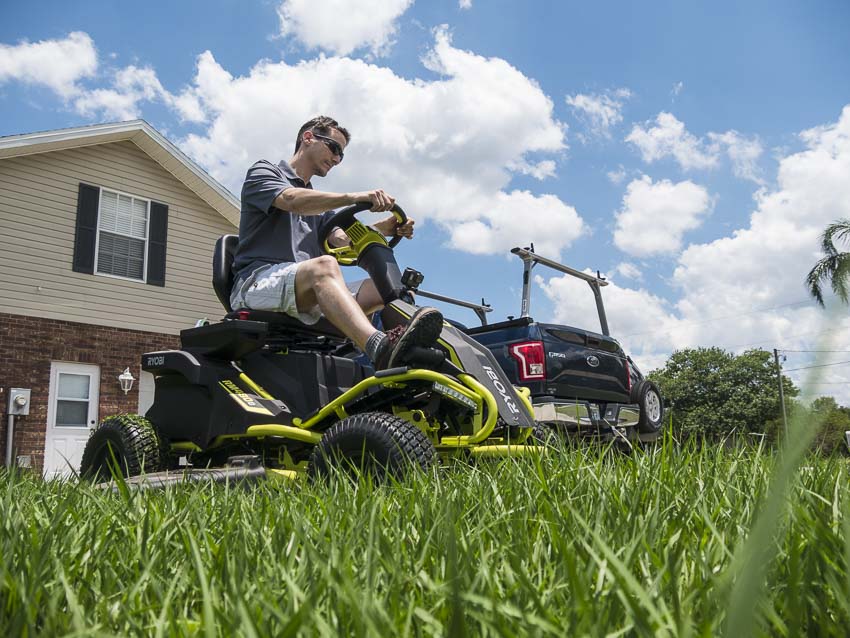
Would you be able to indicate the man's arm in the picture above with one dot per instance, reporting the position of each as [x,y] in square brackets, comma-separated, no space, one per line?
[306,201]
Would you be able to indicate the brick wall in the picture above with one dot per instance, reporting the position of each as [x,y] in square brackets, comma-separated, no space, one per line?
[29,344]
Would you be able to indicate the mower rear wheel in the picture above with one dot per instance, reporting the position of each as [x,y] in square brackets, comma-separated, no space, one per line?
[376,443]
[126,444]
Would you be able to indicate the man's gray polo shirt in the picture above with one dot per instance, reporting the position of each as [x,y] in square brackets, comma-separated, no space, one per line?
[269,235]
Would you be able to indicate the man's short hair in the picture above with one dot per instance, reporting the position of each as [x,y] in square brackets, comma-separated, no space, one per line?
[322,124]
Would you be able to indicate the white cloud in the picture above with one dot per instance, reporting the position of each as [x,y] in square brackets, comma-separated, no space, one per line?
[541,170]
[56,64]
[655,216]
[61,64]
[617,177]
[669,138]
[744,154]
[746,290]
[677,89]
[512,221]
[629,270]
[446,148]
[131,86]
[342,26]
[188,106]
[768,260]
[464,4]
[599,112]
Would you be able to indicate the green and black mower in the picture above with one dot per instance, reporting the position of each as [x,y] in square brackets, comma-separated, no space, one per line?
[295,398]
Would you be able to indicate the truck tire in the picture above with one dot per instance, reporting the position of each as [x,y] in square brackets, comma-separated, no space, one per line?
[125,444]
[377,443]
[647,396]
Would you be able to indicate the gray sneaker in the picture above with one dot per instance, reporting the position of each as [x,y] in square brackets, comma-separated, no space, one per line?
[422,331]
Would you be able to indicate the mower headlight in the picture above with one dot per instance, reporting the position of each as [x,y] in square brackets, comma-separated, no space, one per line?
[454,395]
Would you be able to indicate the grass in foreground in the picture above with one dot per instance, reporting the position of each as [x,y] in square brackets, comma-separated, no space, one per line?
[580,543]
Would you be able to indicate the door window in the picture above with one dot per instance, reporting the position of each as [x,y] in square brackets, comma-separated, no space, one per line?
[72,400]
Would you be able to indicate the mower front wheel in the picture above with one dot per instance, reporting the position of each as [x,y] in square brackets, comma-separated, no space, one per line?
[543,435]
[126,444]
[376,443]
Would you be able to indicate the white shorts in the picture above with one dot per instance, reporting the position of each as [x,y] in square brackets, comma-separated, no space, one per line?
[272,288]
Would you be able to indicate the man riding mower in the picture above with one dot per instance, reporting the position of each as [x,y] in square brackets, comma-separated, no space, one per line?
[299,396]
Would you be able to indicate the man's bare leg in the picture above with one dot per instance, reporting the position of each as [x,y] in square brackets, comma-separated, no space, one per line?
[319,282]
[368,297]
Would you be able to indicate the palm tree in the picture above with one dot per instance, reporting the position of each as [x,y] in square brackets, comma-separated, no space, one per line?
[835,266]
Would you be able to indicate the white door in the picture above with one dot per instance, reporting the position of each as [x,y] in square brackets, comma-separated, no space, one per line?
[71,413]
[146,391]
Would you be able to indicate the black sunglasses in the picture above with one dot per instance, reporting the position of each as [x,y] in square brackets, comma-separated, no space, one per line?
[332,144]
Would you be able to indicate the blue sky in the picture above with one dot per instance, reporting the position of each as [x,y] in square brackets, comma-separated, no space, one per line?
[692,152]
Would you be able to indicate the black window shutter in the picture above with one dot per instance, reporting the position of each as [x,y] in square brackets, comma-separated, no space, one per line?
[156,244]
[86,234]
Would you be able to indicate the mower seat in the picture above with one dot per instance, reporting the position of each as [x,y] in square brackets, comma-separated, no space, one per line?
[223,280]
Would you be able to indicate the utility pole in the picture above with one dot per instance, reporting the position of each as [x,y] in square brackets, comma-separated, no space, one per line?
[781,391]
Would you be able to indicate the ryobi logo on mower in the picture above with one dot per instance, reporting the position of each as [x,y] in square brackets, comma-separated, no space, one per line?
[501,388]
[248,403]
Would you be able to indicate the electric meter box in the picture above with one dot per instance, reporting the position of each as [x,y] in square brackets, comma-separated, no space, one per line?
[19,401]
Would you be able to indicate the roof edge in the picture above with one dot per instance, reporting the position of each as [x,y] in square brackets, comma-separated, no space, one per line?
[28,143]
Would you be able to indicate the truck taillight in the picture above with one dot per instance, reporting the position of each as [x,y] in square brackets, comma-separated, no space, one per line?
[531,359]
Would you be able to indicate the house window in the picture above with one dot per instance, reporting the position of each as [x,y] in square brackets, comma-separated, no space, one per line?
[122,235]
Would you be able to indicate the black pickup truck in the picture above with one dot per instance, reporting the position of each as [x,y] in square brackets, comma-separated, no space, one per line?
[581,382]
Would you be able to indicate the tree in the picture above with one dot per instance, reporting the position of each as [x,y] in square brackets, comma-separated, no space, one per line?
[832,420]
[835,265]
[716,393]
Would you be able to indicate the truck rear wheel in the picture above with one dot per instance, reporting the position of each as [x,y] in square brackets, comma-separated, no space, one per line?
[648,397]
[376,443]
[125,445]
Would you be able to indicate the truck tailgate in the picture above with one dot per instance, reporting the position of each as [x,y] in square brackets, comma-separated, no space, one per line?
[584,364]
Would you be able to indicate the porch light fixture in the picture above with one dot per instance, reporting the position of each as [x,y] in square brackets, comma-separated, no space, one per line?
[126,380]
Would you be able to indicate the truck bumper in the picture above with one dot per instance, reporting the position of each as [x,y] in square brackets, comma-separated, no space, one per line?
[581,415]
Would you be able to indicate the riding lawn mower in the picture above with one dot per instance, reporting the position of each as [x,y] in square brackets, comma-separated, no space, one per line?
[261,392]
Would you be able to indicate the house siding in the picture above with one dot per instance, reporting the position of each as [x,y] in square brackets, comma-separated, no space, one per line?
[28,345]
[38,205]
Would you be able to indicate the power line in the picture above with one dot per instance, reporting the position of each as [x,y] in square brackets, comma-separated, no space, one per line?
[830,383]
[804,334]
[740,314]
[822,365]
[781,350]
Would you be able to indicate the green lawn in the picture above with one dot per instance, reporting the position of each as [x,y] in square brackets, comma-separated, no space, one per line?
[578,543]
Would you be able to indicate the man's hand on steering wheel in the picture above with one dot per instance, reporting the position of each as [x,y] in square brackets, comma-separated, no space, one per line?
[379,199]
[390,227]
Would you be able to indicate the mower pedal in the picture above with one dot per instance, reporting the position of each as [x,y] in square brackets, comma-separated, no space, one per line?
[425,357]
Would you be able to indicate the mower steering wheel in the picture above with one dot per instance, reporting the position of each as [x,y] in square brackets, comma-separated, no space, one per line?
[361,235]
